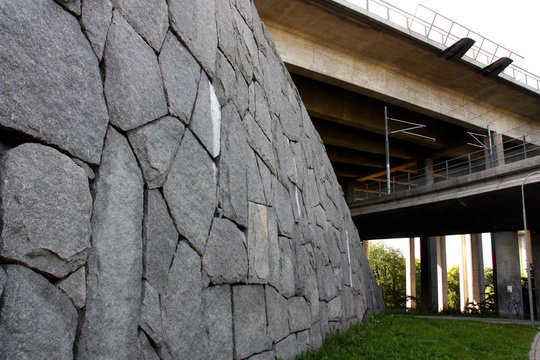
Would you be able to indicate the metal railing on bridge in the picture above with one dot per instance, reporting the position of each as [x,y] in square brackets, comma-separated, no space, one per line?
[487,158]
[446,32]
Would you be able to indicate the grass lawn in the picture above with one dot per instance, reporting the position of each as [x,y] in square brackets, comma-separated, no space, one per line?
[404,337]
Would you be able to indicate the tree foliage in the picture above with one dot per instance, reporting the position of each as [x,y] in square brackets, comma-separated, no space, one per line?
[388,266]
[453,288]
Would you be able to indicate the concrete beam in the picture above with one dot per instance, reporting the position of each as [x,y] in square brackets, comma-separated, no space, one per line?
[489,201]
[350,138]
[352,109]
[496,179]
[329,41]
[353,157]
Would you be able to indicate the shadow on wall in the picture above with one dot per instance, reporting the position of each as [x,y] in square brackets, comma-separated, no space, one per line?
[164,193]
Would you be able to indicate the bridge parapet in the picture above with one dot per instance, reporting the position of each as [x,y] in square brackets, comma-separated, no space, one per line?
[445,32]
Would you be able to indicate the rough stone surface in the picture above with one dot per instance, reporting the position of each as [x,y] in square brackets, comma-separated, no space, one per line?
[259,142]
[254,182]
[155,145]
[225,259]
[74,286]
[218,316]
[302,342]
[55,96]
[258,244]
[286,267]
[249,317]
[133,84]
[160,238]
[190,191]
[151,22]
[335,309]
[315,339]
[115,262]
[184,335]
[96,19]
[233,167]
[87,169]
[37,320]
[286,348]
[267,355]
[181,75]
[145,349]
[206,121]
[3,279]
[225,80]
[282,201]
[195,22]
[278,315]
[73,6]
[151,313]
[46,206]
[299,314]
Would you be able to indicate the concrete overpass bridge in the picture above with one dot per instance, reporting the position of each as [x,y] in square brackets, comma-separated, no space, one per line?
[350,62]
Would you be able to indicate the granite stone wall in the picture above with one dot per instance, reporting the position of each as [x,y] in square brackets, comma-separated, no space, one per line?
[164,194]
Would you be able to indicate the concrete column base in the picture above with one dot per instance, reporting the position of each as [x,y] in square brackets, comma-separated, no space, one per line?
[428,263]
[410,274]
[507,274]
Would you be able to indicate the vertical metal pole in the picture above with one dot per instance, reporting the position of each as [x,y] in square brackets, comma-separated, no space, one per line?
[490,147]
[367,191]
[387,148]
[379,188]
[409,180]
[394,181]
[470,164]
[446,168]
[524,147]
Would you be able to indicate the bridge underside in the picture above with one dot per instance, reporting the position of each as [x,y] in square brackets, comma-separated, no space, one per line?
[487,212]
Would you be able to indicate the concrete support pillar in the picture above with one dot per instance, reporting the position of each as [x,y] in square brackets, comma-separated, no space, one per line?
[442,277]
[472,282]
[428,263]
[477,269]
[464,273]
[523,249]
[410,274]
[536,265]
[508,290]
[498,148]
[495,156]
[365,245]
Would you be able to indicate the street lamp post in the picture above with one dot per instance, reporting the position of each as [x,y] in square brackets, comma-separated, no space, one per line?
[528,246]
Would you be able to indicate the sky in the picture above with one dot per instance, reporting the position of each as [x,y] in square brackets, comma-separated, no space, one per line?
[513,24]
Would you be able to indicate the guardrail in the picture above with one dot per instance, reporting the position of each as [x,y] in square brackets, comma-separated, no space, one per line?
[512,151]
[446,32]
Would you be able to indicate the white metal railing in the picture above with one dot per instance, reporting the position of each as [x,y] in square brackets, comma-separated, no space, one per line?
[488,157]
[446,32]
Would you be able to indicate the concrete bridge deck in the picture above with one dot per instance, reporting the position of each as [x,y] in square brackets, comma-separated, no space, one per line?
[486,201]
